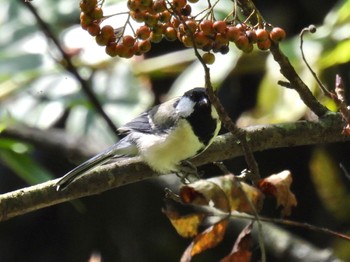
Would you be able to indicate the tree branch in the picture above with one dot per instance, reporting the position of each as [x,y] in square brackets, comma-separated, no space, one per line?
[126,171]
[288,71]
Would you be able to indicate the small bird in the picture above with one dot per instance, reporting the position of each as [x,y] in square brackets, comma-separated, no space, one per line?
[164,137]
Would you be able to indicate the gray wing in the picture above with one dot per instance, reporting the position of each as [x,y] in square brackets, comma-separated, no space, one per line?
[157,120]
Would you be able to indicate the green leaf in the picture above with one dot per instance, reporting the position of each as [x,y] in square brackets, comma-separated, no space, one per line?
[25,167]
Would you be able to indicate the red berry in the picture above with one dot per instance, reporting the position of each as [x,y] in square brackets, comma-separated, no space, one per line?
[207,27]
[242,42]
[170,33]
[201,39]
[220,26]
[111,49]
[164,17]
[107,32]
[277,34]
[261,35]
[143,32]
[97,13]
[233,33]
[87,6]
[85,20]
[159,6]
[264,45]
[191,26]
[155,38]
[128,41]
[178,4]
[93,29]
[144,46]
[252,36]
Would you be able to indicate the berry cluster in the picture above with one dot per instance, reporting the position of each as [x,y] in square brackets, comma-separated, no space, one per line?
[172,20]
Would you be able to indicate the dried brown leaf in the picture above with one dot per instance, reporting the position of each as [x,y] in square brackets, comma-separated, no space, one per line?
[241,251]
[185,225]
[205,240]
[278,185]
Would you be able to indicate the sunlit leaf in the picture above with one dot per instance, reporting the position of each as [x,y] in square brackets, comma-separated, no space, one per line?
[205,240]
[185,225]
[241,251]
[278,185]
[224,193]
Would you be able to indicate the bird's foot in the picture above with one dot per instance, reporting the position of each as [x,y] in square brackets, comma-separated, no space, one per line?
[187,172]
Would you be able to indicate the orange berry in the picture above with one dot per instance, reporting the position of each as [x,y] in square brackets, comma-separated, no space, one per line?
[248,48]
[208,58]
[107,32]
[170,33]
[155,38]
[220,26]
[111,49]
[242,27]
[143,32]
[251,36]
[264,45]
[101,40]
[158,29]
[164,17]
[233,33]
[201,39]
[261,35]
[242,42]
[191,25]
[159,6]
[221,39]
[187,41]
[133,5]
[151,20]
[146,3]
[175,22]
[207,27]
[277,34]
[87,6]
[85,20]
[178,4]
[138,16]
[144,46]
[93,29]
[128,41]
[97,13]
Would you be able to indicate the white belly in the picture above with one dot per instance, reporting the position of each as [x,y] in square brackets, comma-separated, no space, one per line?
[164,153]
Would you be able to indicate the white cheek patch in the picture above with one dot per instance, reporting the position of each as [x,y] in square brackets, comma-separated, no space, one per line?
[185,107]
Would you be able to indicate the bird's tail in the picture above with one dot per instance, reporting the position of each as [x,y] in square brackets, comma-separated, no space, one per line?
[95,161]
[123,147]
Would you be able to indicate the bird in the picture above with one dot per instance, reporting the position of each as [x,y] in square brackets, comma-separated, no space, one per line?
[165,136]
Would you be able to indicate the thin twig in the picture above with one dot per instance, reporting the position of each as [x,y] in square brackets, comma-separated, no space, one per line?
[311,29]
[71,68]
[288,71]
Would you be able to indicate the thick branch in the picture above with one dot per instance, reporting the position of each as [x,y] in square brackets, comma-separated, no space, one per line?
[126,171]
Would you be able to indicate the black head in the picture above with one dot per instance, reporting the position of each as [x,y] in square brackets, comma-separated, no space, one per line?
[197,109]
